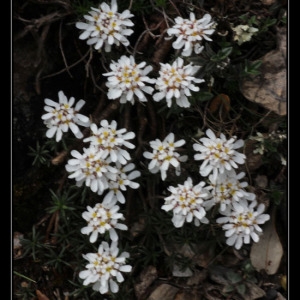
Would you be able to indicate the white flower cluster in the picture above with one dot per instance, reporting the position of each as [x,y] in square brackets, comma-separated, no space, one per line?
[190,32]
[99,166]
[243,33]
[163,155]
[111,140]
[127,79]
[218,154]
[187,203]
[241,223]
[101,218]
[105,268]
[176,82]
[105,26]
[104,165]
[227,189]
[62,116]
[124,177]
[220,160]
[190,202]
[91,167]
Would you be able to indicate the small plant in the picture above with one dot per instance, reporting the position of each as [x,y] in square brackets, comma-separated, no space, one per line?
[155,163]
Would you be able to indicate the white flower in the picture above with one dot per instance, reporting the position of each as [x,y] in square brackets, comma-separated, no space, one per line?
[121,182]
[190,33]
[101,218]
[243,33]
[92,168]
[105,26]
[218,154]
[227,188]
[163,155]
[104,269]
[127,80]
[241,223]
[61,117]
[111,140]
[186,202]
[176,82]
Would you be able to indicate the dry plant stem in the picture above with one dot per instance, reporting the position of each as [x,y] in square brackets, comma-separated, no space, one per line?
[153,121]
[35,24]
[130,5]
[260,121]
[87,65]
[162,51]
[131,205]
[52,223]
[203,116]
[144,42]
[175,7]
[40,55]
[94,81]
[62,51]
[126,116]
[143,121]
[151,193]
[161,12]
[71,66]
[143,199]
[99,107]
[111,108]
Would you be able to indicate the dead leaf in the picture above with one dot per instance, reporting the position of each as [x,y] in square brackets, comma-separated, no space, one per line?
[266,254]
[188,295]
[254,291]
[280,297]
[197,277]
[147,276]
[177,272]
[220,102]
[165,292]
[41,296]
[269,88]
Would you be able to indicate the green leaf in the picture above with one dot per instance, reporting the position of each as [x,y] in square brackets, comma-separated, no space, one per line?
[241,288]
[204,96]
[234,277]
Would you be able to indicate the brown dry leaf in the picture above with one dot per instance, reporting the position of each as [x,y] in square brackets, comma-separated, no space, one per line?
[269,88]
[221,101]
[147,277]
[266,254]
[165,292]
[41,296]
[253,291]
[280,297]
[188,295]
[197,277]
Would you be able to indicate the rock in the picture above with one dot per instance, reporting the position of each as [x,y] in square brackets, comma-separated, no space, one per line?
[269,88]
